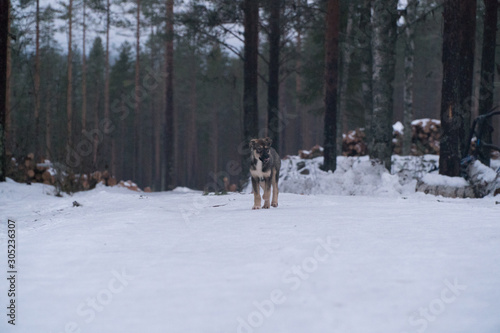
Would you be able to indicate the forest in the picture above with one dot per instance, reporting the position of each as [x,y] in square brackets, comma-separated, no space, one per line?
[168,93]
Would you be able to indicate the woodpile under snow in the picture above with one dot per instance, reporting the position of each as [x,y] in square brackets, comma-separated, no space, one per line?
[27,170]
[425,140]
[425,136]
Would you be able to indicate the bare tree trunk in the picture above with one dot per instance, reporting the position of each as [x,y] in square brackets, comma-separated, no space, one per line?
[69,99]
[409,31]
[84,69]
[487,88]
[37,83]
[299,110]
[364,39]
[458,62]
[4,28]
[123,141]
[286,128]
[48,141]
[169,173]
[106,143]
[137,102]
[215,144]
[273,121]
[9,129]
[383,52]
[157,119]
[95,166]
[331,82]
[250,81]
[192,142]
[347,52]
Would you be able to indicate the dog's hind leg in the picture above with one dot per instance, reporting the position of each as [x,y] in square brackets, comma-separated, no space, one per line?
[274,182]
[256,193]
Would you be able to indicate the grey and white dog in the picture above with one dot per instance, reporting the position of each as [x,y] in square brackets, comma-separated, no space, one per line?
[265,166]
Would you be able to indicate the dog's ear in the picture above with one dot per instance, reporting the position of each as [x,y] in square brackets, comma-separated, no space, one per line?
[252,144]
[268,141]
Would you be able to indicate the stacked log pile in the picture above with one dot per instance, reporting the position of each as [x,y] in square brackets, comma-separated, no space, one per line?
[312,153]
[26,170]
[425,140]
[426,134]
[353,143]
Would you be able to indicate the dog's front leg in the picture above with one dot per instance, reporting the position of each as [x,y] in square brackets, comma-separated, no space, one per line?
[267,193]
[256,193]
[274,178]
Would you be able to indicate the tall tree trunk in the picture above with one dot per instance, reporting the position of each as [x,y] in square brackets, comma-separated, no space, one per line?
[48,141]
[331,82]
[8,129]
[487,88]
[215,145]
[69,98]
[157,123]
[96,149]
[383,52]
[364,38]
[37,82]
[347,52]
[137,119]
[169,173]
[4,35]
[299,110]
[458,62]
[273,121]
[250,81]
[84,69]
[192,146]
[107,153]
[409,31]
[286,130]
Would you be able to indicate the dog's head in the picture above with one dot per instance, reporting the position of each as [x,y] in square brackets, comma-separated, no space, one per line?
[261,148]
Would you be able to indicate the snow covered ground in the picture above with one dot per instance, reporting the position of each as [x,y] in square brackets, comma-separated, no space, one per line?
[383,261]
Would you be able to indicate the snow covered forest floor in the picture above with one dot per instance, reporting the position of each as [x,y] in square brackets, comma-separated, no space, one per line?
[354,251]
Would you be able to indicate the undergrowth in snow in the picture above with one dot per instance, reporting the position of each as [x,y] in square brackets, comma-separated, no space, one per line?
[354,175]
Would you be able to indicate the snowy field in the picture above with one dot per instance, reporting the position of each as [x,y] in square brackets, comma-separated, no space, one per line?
[380,261]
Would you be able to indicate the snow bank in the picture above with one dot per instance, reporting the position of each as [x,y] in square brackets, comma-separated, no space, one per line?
[353,176]
[435,179]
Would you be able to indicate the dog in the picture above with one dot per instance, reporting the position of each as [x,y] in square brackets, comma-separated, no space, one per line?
[265,166]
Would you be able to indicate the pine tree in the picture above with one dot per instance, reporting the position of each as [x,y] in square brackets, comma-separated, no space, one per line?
[331,81]
[250,73]
[96,68]
[169,167]
[273,84]
[487,87]
[121,79]
[4,28]
[458,62]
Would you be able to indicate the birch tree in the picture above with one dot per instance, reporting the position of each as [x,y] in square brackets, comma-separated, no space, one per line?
[409,32]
